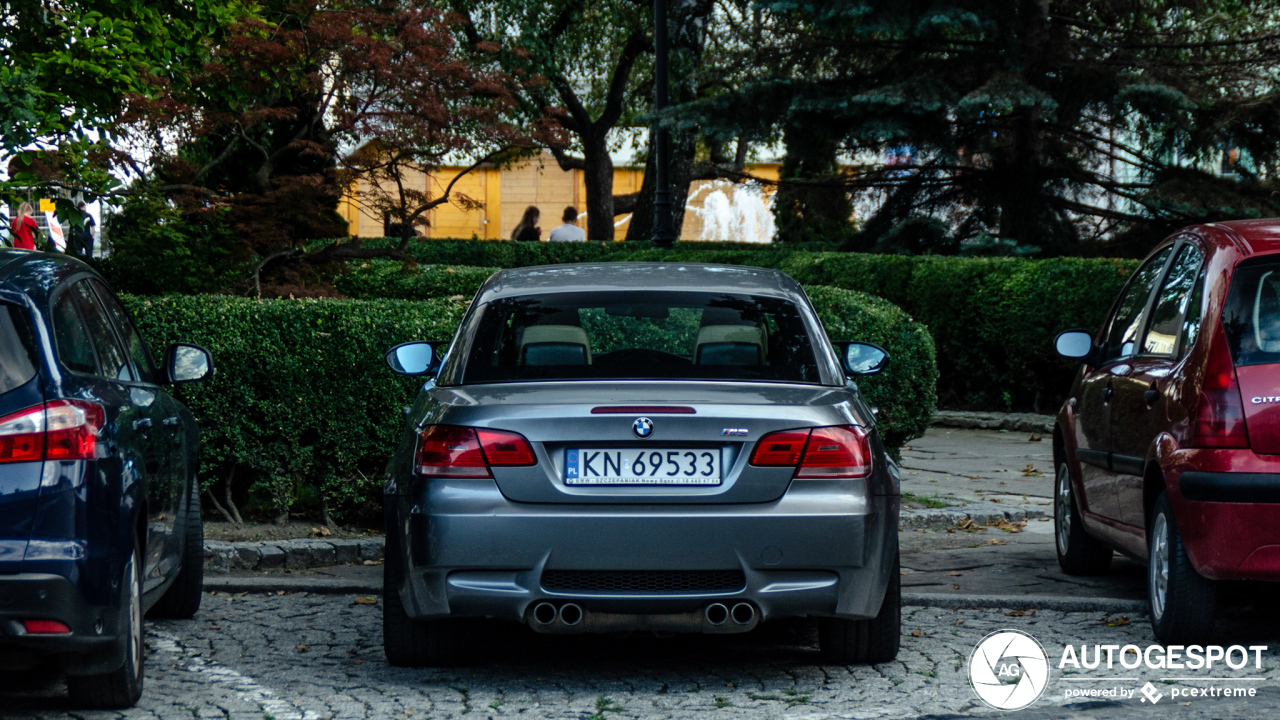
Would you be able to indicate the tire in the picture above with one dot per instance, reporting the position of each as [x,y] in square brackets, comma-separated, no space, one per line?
[1078,552]
[182,600]
[122,687]
[1182,602]
[844,642]
[420,643]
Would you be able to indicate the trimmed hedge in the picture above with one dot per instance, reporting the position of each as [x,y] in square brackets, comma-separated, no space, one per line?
[302,413]
[301,408]
[392,279]
[993,319]
[906,390]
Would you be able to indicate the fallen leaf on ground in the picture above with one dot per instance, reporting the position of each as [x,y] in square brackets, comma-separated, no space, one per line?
[955,573]
[1117,622]
[919,634]
[959,622]
[366,600]
[994,541]
[215,627]
[321,531]
[303,648]
[352,651]
[955,586]
[372,562]
[1035,438]
[1016,613]
[1031,471]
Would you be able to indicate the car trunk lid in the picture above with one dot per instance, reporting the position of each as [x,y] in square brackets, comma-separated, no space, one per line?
[690,425]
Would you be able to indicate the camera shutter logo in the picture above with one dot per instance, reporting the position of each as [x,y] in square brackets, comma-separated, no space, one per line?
[1009,670]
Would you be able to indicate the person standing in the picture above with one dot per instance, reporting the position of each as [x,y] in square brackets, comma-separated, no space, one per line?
[25,227]
[82,234]
[528,230]
[569,231]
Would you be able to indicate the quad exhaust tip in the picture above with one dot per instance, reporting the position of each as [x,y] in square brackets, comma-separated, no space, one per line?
[743,613]
[544,613]
[570,614]
[717,614]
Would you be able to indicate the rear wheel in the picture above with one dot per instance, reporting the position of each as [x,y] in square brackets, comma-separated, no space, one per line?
[122,687]
[182,599]
[420,643]
[1078,552]
[866,641]
[1183,602]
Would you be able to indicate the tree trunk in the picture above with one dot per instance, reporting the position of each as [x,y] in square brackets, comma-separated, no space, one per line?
[641,227]
[598,176]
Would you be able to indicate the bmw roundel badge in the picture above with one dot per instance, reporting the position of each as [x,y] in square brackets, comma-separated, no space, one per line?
[642,427]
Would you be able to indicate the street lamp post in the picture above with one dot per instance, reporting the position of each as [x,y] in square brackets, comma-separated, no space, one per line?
[664,235]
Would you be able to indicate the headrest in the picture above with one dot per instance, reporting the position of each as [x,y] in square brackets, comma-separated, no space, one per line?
[554,345]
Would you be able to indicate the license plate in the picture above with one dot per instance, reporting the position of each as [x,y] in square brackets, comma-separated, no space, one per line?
[657,466]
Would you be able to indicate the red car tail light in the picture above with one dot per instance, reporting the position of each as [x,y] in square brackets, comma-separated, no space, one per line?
[780,449]
[462,452]
[45,627]
[836,452]
[58,430]
[1219,418]
[506,449]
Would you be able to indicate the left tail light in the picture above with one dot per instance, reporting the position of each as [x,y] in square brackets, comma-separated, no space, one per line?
[451,451]
[58,430]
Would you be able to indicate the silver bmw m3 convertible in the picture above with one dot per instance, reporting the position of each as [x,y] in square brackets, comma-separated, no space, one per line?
[639,447]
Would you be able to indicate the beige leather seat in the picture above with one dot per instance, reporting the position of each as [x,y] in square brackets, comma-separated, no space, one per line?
[729,345]
[554,345]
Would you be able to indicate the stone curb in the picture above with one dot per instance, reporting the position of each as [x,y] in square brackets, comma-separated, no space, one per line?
[1061,603]
[1013,422]
[333,586]
[978,513]
[221,557]
[285,583]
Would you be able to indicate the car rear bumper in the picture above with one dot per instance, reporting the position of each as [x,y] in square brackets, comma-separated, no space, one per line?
[91,647]
[1228,510]
[825,549]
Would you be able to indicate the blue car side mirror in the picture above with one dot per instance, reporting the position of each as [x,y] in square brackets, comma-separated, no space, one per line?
[862,358]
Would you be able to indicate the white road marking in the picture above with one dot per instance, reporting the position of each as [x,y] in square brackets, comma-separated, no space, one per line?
[246,687]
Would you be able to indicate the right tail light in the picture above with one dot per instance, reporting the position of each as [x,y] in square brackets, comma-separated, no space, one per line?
[1219,420]
[842,451]
[58,430]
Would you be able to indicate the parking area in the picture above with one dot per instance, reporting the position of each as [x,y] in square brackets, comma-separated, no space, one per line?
[304,656]
[300,655]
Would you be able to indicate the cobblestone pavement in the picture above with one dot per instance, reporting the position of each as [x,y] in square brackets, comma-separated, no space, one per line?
[303,657]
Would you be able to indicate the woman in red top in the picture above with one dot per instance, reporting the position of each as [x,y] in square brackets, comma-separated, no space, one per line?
[25,228]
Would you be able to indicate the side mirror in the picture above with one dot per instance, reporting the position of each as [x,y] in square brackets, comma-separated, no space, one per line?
[1074,344]
[187,363]
[862,358]
[412,358]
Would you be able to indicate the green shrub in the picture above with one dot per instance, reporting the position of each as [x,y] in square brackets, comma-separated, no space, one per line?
[394,279]
[905,392]
[301,401]
[302,411]
[993,320]
[156,249]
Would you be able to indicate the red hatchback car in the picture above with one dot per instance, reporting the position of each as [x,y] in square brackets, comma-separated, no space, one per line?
[1168,447]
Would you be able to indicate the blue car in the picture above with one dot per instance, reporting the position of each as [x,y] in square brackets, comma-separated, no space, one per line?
[99,505]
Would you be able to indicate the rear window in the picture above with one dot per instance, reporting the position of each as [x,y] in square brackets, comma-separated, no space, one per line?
[642,336]
[1252,316]
[17,348]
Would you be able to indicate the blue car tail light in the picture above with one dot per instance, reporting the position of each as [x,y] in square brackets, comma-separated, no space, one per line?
[58,430]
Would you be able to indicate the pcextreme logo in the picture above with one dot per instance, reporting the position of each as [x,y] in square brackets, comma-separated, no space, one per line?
[1009,670]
